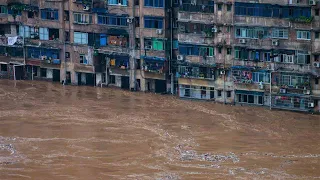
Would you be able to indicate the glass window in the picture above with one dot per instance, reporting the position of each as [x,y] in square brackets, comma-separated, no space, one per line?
[303,35]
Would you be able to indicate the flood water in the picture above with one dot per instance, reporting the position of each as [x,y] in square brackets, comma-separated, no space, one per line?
[50,131]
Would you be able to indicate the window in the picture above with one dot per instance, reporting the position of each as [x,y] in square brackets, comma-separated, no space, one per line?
[137,21]
[229,6]
[67,54]
[28,32]
[118,2]
[316,81]
[229,51]
[228,28]
[317,35]
[175,44]
[66,16]
[198,6]
[43,72]
[32,14]
[316,58]
[207,51]
[153,3]
[138,64]
[219,50]
[157,45]
[3,10]
[219,93]
[280,33]
[4,67]
[219,7]
[241,54]
[303,35]
[270,10]
[67,36]
[113,19]
[49,14]
[228,93]
[266,56]
[286,58]
[153,22]
[112,79]
[258,77]
[35,71]
[303,57]
[316,12]
[253,33]
[83,59]
[44,33]
[82,18]
[80,38]
[203,91]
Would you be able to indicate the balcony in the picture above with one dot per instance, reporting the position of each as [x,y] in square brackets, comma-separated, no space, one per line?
[204,60]
[196,17]
[268,43]
[195,38]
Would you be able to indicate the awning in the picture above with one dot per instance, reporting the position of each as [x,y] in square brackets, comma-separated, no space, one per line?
[249,92]
[242,67]
[149,58]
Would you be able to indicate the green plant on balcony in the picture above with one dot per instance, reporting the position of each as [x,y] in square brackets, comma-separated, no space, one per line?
[86,2]
[208,32]
[16,9]
[302,19]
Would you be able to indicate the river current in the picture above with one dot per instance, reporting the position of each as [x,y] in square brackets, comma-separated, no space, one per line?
[50,131]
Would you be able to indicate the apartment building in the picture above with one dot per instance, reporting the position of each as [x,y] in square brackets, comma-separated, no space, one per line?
[250,52]
[87,42]
[263,53]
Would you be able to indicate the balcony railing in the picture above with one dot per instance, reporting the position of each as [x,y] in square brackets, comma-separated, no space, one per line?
[197,8]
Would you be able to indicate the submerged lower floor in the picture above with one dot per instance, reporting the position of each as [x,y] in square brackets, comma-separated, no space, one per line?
[218,90]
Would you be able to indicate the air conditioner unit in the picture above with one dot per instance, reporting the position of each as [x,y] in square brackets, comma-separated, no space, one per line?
[275,43]
[312,2]
[180,57]
[214,30]
[242,41]
[316,64]
[86,8]
[260,85]
[310,104]
[307,92]
[129,20]
[222,72]
[283,91]
[159,31]
[148,47]
[43,57]
[182,28]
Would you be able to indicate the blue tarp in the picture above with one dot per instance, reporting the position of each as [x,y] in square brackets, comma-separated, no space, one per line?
[149,58]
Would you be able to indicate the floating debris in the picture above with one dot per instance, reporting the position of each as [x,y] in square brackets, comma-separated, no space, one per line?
[8,147]
[188,155]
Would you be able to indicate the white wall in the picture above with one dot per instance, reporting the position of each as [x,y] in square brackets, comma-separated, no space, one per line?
[49,73]
[98,78]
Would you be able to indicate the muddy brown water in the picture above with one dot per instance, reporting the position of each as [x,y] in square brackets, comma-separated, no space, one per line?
[50,131]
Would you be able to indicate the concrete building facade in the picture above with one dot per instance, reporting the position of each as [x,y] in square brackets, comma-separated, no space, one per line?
[263,53]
